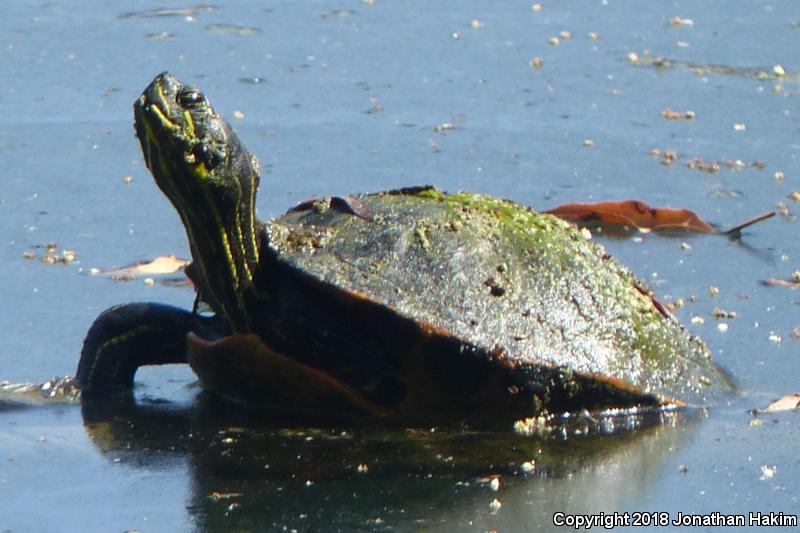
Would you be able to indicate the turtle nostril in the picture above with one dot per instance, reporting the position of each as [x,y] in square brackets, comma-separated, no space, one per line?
[208,156]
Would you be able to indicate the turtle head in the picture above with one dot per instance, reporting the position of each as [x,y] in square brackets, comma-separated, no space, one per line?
[199,163]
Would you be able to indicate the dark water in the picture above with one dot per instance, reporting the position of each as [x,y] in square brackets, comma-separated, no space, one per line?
[346,97]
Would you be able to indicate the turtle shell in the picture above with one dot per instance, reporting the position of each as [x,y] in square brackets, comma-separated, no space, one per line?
[424,301]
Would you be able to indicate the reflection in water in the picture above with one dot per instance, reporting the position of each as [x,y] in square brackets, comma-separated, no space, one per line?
[253,471]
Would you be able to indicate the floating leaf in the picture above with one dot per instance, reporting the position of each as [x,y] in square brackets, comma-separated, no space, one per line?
[786,403]
[633,214]
[165,264]
[639,215]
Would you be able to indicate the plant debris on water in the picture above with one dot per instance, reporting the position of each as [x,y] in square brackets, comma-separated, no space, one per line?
[165,264]
[647,59]
[51,254]
[784,403]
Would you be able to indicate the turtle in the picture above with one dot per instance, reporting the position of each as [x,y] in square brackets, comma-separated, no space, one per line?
[410,302]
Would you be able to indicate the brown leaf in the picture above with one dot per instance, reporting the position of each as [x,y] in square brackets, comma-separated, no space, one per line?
[785,403]
[633,214]
[165,264]
[350,206]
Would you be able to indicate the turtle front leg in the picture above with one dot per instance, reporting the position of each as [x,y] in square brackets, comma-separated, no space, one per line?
[128,336]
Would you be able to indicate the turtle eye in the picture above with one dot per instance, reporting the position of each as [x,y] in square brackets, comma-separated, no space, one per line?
[190,98]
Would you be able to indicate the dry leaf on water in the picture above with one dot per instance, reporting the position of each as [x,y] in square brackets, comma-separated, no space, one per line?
[633,214]
[165,264]
[639,215]
[786,403]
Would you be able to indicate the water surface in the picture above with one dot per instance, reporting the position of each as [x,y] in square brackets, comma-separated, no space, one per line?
[340,97]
